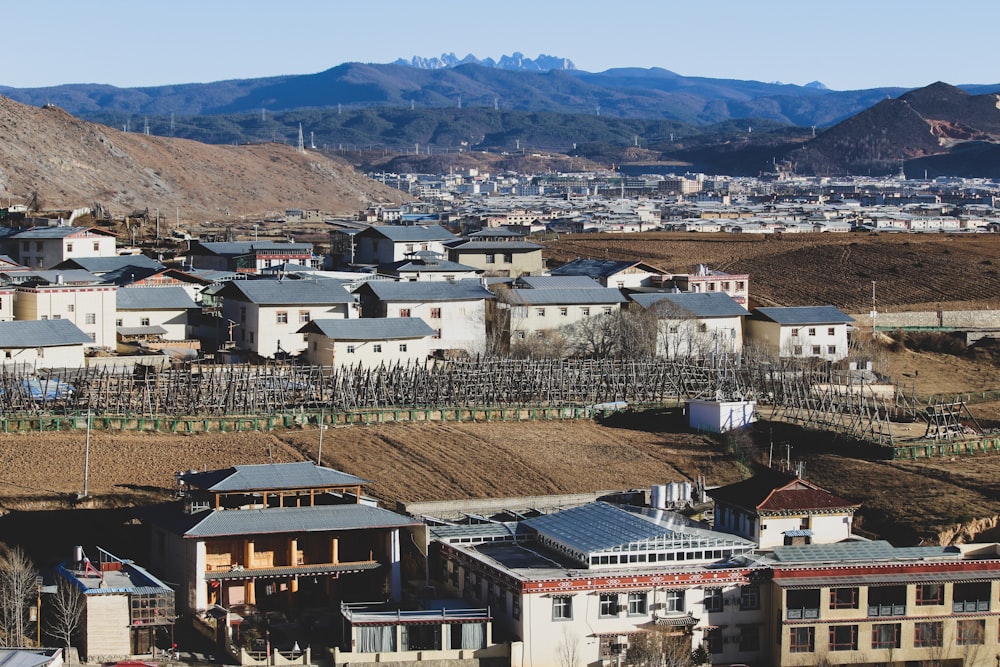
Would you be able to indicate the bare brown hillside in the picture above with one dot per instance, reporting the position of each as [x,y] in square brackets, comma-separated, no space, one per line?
[71,163]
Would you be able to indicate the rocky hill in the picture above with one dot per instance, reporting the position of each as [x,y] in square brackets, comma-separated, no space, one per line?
[71,163]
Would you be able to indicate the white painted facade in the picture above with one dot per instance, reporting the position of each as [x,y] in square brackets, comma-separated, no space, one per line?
[720,416]
[698,337]
[106,635]
[7,295]
[268,329]
[92,308]
[370,353]
[802,341]
[457,325]
[38,252]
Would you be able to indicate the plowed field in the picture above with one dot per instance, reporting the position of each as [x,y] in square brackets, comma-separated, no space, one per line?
[912,271]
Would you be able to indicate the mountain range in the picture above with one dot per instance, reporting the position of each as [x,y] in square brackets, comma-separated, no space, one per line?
[516,62]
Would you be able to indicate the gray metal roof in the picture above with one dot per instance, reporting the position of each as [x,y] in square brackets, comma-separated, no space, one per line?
[232,249]
[141,331]
[691,304]
[390,328]
[66,277]
[271,476]
[153,298]
[878,550]
[312,519]
[26,657]
[494,246]
[287,292]
[405,233]
[804,315]
[41,333]
[57,232]
[595,268]
[459,290]
[558,282]
[587,295]
[429,266]
[100,265]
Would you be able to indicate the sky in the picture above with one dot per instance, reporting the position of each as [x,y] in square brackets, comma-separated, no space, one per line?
[845,44]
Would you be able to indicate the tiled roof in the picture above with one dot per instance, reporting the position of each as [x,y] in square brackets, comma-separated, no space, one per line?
[370,328]
[59,232]
[271,476]
[539,297]
[247,247]
[459,290]
[100,265]
[691,304]
[804,315]
[312,519]
[595,268]
[282,292]
[153,298]
[405,233]
[558,282]
[41,333]
[772,491]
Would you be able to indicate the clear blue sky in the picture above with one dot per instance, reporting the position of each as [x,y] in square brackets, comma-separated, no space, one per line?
[846,44]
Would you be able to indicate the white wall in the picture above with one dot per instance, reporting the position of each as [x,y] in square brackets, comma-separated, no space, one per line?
[107,627]
[92,308]
[64,356]
[697,337]
[462,323]
[720,416]
[825,529]
[258,328]
[800,341]
[326,352]
[174,321]
[531,319]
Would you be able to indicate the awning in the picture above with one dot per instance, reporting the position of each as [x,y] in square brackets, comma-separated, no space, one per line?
[798,533]
[686,620]
[287,572]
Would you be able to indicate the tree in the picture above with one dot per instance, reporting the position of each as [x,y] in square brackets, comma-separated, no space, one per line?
[66,609]
[661,648]
[569,649]
[17,591]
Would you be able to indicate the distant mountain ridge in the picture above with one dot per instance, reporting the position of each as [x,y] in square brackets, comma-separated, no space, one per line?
[515,62]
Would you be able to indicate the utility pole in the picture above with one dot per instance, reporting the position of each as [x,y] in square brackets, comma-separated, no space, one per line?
[874,312]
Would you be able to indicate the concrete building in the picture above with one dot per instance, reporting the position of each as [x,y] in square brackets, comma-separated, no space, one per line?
[533,311]
[801,331]
[367,342]
[44,247]
[380,245]
[249,256]
[43,344]
[611,273]
[694,324]
[165,307]
[499,258]
[77,296]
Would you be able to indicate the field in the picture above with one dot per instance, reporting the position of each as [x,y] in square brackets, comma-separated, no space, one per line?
[912,271]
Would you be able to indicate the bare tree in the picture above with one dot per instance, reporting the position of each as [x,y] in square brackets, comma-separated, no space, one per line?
[623,334]
[568,649]
[66,609]
[17,591]
[661,648]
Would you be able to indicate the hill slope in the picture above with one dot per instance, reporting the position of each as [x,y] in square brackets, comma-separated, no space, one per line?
[72,163]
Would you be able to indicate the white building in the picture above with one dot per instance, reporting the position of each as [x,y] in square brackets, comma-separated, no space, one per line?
[611,273]
[695,324]
[367,342]
[44,247]
[533,311]
[42,344]
[166,307]
[455,311]
[801,332]
[386,244]
[776,509]
[268,314]
[77,296]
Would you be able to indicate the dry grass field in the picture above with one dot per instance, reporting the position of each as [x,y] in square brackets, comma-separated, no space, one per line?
[912,271]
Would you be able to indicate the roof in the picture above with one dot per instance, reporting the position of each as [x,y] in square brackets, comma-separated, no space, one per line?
[538,297]
[854,552]
[773,491]
[232,249]
[598,268]
[494,246]
[558,282]
[41,333]
[803,315]
[50,277]
[155,330]
[25,657]
[286,292]
[459,290]
[270,476]
[428,266]
[101,265]
[389,328]
[311,519]
[692,304]
[59,232]
[153,298]
[406,233]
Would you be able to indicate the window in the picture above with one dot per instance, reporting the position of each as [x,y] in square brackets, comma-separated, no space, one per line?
[508,258]
[144,321]
[377,347]
[725,286]
[885,635]
[350,349]
[607,311]
[608,605]
[816,350]
[636,604]
[795,332]
[563,312]
[702,327]
[927,634]
[711,287]
[404,312]
[843,638]
[69,247]
[831,349]
[435,313]
[304,317]
[714,641]
[713,599]
[519,335]
[802,604]
[830,331]
[71,308]
[750,596]
[243,313]
[57,317]
[562,609]
[930,594]
[675,601]
[812,331]
[673,328]
[971,597]
[402,347]
[97,246]
[585,311]
[45,317]
[740,285]
[971,632]
[491,258]
[38,246]
[802,639]
[437,334]
[90,318]
[281,317]
[118,322]
[540,312]
[749,637]
[843,598]
[797,350]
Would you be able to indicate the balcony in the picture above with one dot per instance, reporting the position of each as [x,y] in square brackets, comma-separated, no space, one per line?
[969,606]
[802,614]
[886,610]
